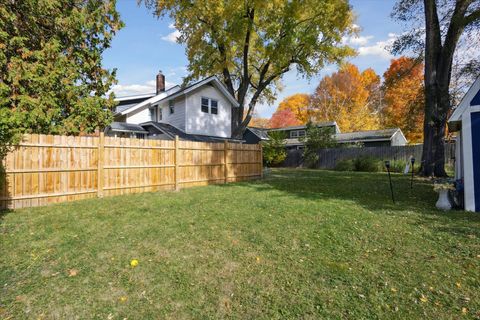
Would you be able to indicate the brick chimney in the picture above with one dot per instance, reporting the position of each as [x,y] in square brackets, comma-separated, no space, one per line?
[160,82]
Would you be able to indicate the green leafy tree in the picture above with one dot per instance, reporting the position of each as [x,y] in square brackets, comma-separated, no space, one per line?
[316,138]
[274,151]
[51,77]
[436,29]
[250,44]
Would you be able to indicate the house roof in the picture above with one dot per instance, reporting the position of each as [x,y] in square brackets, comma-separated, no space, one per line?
[211,79]
[319,125]
[173,93]
[261,133]
[151,100]
[126,127]
[470,99]
[172,131]
[364,136]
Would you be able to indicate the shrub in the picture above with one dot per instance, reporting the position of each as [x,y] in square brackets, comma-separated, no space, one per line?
[274,151]
[345,165]
[366,164]
[316,138]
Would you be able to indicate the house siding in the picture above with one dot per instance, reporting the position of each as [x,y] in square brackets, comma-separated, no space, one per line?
[198,122]
[139,116]
[176,119]
[398,139]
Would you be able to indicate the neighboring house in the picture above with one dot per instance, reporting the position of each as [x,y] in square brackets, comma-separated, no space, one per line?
[199,112]
[372,138]
[466,121]
[292,134]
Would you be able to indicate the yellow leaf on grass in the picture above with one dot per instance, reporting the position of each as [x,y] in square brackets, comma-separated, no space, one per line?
[134,263]
[123,299]
[423,298]
[464,310]
[458,284]
[393,290]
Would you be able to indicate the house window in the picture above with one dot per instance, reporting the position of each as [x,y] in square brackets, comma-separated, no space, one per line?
[205,105]
[171,106]
[213,106]
[153,114]
[160,114]
[297,133]
[209,105]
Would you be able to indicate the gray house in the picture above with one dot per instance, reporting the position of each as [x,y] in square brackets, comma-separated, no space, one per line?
[371,138]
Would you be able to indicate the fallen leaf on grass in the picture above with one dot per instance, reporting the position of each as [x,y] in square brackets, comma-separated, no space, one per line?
[393,290]
[458,284]
[134,263]
[123,299]
[72,272]
[423,299]
[464,310]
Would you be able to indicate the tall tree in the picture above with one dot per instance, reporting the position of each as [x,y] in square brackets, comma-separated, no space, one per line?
[349,97]
[283,118]
[259,122]
[298,104]
[51,77]
[443,24]
[250,44]
[403,97]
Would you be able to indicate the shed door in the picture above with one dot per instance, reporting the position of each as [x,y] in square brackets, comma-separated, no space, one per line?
[476,157]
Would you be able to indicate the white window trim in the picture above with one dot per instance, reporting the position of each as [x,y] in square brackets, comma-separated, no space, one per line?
[209,105]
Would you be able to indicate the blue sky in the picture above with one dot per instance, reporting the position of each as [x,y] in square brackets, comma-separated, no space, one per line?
[146,44]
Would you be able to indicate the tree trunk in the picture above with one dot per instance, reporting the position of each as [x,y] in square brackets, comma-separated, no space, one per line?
[433,161]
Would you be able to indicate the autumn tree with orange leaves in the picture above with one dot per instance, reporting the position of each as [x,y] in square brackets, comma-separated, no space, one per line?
[403,98]
[283,118]
[298,104]
[259,122]
[349,97]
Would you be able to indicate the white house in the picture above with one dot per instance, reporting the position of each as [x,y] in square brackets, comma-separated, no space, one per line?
[199,112]
[466,121]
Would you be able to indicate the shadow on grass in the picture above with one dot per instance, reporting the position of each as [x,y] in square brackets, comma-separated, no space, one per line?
[372,192]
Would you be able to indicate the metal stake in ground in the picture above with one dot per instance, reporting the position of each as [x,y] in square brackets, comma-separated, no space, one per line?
[387,165]
[412,160]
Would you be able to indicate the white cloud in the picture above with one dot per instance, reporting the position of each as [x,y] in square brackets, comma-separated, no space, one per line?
[380,49]
[172,36]
[357,40]
[122,90]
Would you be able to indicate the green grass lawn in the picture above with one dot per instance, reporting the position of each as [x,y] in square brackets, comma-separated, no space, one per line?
[299,244]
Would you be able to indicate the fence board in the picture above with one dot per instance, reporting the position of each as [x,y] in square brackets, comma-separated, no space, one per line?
[328,158]
[46,169]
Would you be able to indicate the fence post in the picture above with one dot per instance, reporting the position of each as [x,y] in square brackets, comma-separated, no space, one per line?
[101,156]
[176,163]
[261,160]
[225,164]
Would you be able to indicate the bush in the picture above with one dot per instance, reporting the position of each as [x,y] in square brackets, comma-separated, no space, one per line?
[366,164]
[274,151]
[345,165]
[399,166]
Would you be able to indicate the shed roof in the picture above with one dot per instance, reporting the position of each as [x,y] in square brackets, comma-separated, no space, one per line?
[470,99]
[261,133]
[126,127]
[364,136]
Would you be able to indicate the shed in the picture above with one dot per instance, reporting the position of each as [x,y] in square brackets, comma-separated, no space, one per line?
[465,120]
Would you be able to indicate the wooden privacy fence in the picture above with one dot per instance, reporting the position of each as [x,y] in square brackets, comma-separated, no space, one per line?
[328,158]
[45,169]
